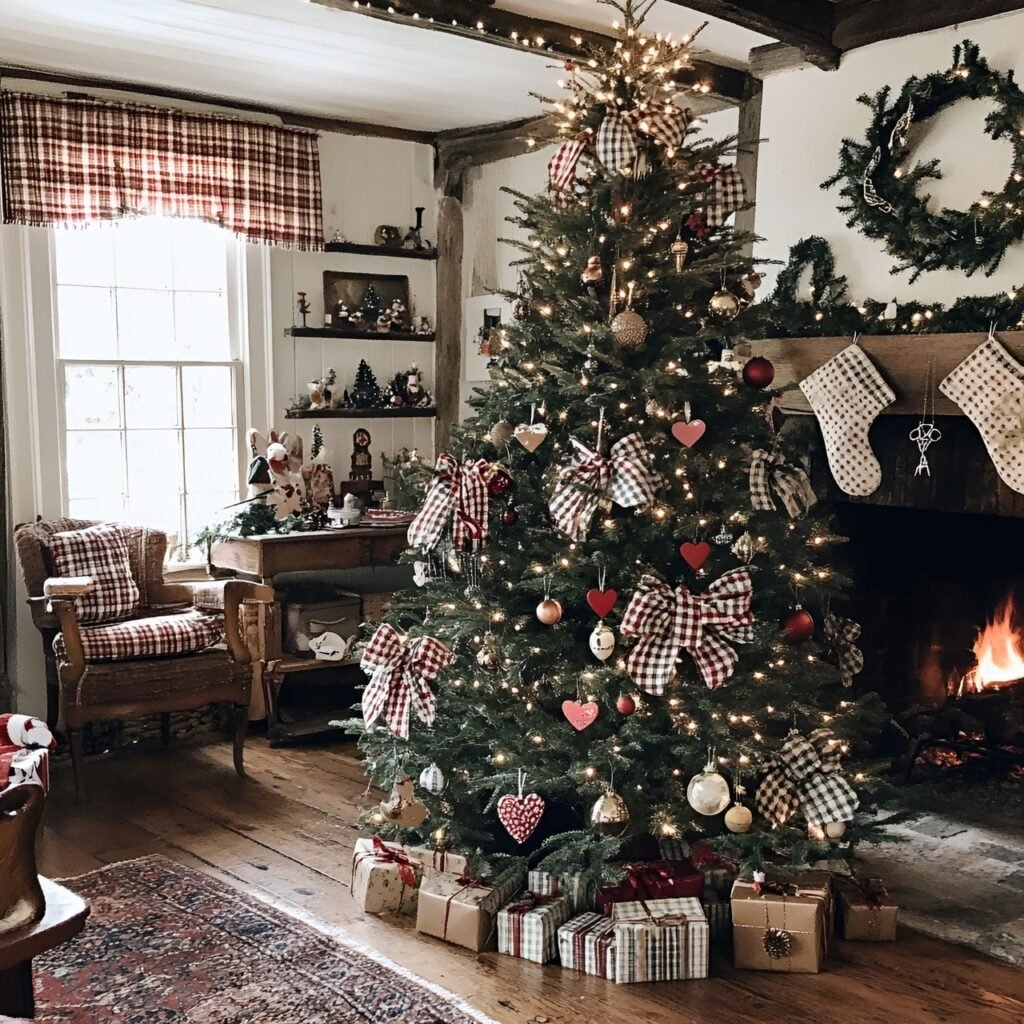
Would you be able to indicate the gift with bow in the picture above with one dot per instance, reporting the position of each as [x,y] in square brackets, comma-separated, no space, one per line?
[652,880]
[456,494]
[528,926]
[400,671]
[705,625]
[769,471]
[626,476]
[726,191]
[804,777]
[842,635]
[660,940]
[384,878]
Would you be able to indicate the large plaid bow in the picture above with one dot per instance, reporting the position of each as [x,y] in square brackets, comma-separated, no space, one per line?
[771,471]
[666,124]
[727,192]
[562,166]
[616,145]
[804,776]
[626,476]
[668,621]
[842,635]
[458,493]
[400,672]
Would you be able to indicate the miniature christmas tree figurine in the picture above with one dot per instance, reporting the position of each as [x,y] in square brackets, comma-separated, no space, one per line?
[365,393]
[316,445]
[371,306]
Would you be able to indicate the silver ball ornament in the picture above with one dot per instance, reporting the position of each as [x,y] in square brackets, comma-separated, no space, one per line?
[708,792]
[610,815]
[432,779]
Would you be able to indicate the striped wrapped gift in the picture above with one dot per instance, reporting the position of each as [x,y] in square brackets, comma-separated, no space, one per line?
[587,943]
[528,926]
[660,940]
[579,894]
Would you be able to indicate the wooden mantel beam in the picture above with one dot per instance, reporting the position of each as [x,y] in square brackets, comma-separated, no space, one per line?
[473,19]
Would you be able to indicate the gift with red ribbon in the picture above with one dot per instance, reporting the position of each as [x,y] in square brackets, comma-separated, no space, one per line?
[384,879]
[575,888]
[660,940]
[461,909]
[401,670]
[439,860]
[457,496]
[653,880]
[587,943]
[528,926]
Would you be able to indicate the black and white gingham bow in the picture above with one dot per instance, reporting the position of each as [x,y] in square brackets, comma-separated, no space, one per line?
[666,124]
[771,471]
[456,493]
[615,145]
[400,672]
[626,476]
[804,776]
[669,621]
[842,635]
[726,192]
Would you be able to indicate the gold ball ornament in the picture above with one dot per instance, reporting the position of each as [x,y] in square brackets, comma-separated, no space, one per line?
[501,433]
[724,304]
[609,815]
[738,818]
[549,611]
[629,329]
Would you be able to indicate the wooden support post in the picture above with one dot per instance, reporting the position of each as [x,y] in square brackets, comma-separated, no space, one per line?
[748,144]
[448,347]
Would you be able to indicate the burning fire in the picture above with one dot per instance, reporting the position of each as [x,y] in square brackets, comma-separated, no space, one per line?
[997,652]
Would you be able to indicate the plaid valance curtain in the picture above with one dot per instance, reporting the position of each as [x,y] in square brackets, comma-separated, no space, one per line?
[71,161]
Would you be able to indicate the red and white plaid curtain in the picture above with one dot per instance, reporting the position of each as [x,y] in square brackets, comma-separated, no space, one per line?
[72,161]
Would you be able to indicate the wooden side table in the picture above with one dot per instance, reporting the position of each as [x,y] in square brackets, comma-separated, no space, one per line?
[64,918]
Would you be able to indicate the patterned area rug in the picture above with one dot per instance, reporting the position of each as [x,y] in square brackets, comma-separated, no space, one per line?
[169,945]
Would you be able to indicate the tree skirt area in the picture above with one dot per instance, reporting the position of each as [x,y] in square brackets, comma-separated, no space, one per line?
[166,944]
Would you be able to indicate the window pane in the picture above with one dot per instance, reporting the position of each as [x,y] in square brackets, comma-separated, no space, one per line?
[211,464]
[145,327]
[150,396]
[85,323]
[85,255]
[91,398]
[206,509]
[110,507]
[143,253]
[148,508]
[207,396]
[154,465]
[201,325]
[95,466]
[200,256]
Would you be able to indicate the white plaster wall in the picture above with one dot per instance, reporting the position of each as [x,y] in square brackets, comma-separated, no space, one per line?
[807,113]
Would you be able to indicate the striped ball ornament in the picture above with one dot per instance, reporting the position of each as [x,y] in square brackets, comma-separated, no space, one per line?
[432,779]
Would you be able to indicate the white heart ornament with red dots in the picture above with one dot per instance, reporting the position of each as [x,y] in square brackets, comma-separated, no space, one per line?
[520,814]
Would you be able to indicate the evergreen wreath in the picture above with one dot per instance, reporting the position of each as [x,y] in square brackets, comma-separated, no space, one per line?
[880,185]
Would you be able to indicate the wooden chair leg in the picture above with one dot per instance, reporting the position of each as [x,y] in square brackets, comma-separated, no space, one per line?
[241,728]
[75,741]
[165,728]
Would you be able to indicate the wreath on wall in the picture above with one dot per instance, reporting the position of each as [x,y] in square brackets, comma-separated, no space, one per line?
[880,181]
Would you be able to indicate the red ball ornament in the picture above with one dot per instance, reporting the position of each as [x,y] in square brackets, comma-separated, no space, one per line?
[798,625]
[758,372]
[499,483]
[509,516]
[625,705]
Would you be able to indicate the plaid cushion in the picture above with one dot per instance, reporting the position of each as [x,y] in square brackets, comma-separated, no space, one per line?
[160,636]
[102,553]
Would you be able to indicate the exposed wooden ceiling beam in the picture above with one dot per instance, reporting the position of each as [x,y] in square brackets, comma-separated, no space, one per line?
[472,19]
[806,24]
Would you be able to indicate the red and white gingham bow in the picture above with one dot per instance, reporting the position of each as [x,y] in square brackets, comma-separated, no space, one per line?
[458,493]
[668,621]
[726,194]
[562,166]
[626,476]
[400,672]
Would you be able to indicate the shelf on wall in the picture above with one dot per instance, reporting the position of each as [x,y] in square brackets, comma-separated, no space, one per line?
[342,332]
[386,413]
[362,249]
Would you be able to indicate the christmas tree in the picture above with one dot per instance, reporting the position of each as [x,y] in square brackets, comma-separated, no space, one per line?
[365,393]
[632,588]
[371,306]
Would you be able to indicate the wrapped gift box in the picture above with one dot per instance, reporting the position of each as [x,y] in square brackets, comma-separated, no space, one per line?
[528,926]
[579,895]
[20,765]
[867,913]
[438,860]
[800,909]
[385,879]
[587,943]
[660,940]
[654,880]
[462,910]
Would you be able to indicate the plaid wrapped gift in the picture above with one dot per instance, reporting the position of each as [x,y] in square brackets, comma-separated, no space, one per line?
[578,893]
[587,943]
[654,880]
[660,940]
[438,860]
[461,909]
[385,879]
[674,849]
[528,926]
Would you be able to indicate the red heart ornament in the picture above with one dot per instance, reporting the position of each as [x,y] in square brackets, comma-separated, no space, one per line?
[521,814]
[689,433]
[695,555]
[602,601]
[579,715]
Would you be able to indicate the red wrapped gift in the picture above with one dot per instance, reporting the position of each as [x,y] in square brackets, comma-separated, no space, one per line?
[653,880]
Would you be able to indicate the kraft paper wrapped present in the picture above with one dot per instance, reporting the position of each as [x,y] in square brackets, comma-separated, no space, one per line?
[579,894]
[385,879]
[867,913]
[528,926]
[438,860]
[782,926]
[587,943]
[653,880]
[660,940]
[462,910]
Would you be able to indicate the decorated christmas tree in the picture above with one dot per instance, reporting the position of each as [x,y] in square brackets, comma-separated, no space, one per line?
[629,619]
[366,392]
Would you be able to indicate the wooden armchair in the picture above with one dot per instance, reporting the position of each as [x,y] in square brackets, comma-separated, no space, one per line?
[122,669]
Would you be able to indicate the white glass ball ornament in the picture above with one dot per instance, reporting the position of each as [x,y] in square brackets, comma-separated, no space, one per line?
[738,818]
[708,792]
[602,642]
[432,779]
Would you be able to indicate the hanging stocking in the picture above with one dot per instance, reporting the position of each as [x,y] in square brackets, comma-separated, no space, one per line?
[989,386]
[846,394]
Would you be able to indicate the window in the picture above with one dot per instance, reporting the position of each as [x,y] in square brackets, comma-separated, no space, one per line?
[147,350]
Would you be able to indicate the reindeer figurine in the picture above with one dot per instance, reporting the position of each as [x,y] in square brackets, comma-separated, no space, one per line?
[275,472]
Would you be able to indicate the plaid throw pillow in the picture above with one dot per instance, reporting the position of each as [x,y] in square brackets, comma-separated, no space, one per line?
[102,553]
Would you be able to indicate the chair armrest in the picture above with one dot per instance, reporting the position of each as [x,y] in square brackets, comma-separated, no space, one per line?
[68,586]
[73,667]
[234,593]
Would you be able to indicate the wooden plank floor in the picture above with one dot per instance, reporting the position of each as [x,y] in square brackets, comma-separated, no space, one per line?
[287,831]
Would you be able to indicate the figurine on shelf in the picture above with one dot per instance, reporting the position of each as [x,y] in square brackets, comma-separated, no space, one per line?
[341,314]
[371,307]
[362,460]
[415,392]
[351,513]
[366,393]
[414,236]
[423,326]
[383,324]
[346,400]
[317,474]
[304,307]
[321,391]
[338,238]
[396,392]
[275,473]
[399,316]
[357,321]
